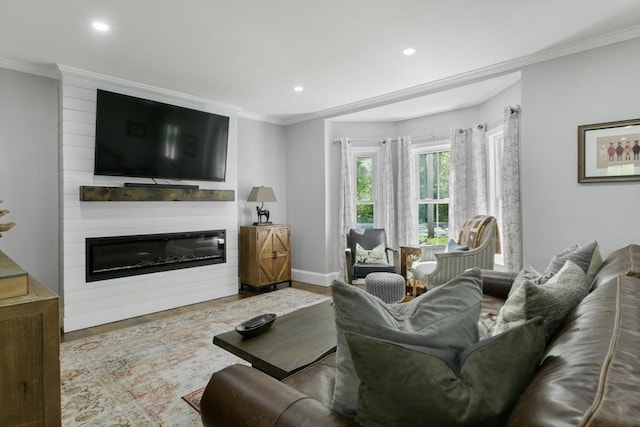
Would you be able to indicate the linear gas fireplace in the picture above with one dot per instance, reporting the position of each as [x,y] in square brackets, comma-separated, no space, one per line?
[111,257]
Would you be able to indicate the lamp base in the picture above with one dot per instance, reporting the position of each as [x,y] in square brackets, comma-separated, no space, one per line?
[262,223]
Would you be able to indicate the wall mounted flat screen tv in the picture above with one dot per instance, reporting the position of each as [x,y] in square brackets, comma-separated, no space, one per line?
[141,138]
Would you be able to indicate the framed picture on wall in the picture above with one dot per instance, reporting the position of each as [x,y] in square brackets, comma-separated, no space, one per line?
[609,151]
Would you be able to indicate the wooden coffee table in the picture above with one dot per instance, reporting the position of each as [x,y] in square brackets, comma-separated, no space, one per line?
[294,341]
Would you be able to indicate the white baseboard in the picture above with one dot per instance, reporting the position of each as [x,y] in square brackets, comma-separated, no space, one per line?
[314,278]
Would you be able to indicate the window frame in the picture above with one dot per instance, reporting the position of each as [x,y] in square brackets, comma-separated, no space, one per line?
[426,148]
[494,150]
[375,154]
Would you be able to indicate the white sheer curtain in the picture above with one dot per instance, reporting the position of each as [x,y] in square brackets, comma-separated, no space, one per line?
[511,207]
[388,204]
[346,216]
[478,171]
[407,215]
[458,205]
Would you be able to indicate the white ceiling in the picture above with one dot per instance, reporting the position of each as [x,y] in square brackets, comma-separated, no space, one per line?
[347,54]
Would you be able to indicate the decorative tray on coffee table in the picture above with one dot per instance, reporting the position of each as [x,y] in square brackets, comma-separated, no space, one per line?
[256,326]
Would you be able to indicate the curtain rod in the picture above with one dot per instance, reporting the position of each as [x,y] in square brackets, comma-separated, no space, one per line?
[336,141]
[437,135]
[382,141]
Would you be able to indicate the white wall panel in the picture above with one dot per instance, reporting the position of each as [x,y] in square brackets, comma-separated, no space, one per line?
[81,321]
[89,304]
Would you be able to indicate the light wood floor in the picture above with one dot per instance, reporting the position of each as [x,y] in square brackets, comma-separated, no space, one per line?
[323,290]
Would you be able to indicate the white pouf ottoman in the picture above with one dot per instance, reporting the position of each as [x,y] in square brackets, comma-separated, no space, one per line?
[389,287]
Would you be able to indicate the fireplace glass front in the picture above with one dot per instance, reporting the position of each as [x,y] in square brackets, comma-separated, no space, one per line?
[121,256]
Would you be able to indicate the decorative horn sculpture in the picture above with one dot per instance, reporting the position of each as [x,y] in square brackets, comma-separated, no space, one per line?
[7,226]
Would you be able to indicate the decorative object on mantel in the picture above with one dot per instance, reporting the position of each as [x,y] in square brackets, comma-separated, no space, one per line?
[609,152]
[262,194]
[6,226]
[89,193]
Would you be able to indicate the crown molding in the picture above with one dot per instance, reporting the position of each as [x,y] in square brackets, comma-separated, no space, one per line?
[474,76]
[67,71]
[260,117]
[43,70]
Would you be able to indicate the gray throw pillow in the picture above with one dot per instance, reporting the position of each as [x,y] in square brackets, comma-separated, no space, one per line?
[453,246]
[580,255]
[405,385]
[529,274]
[446,316]
[552,300]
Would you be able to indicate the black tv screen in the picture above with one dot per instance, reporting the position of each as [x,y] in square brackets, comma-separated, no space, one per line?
[142,138]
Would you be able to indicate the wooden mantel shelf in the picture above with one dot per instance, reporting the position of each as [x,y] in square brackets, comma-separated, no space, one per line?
[89,193]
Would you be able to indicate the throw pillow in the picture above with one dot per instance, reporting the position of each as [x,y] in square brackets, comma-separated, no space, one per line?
[405,385]
[452,246]
[446,316]
[552,301]
[580,255]
[376,255]
[530,274]
[596,263]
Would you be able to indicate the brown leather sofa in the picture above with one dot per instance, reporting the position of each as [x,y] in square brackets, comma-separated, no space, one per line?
[589,376]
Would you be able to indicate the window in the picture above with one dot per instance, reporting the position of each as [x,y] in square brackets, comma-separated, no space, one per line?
[495,143]
[366,190]
[433,195]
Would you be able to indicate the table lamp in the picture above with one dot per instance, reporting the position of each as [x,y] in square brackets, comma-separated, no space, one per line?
[262,194]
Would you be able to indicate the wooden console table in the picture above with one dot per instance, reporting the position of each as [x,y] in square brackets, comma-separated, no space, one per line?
[30,358]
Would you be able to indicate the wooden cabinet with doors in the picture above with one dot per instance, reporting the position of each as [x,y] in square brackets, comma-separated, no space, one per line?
[265,255]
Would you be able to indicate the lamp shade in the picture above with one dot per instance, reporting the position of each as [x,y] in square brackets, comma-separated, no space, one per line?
[261,194]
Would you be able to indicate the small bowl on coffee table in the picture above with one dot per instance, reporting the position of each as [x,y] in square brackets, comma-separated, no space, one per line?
[256,326]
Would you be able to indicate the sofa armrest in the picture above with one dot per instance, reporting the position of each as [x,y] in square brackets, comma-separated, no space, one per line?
[429,252]
[394,254]
[497,283]
[239,395]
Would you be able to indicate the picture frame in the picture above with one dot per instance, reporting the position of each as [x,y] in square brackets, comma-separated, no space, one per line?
[609,152]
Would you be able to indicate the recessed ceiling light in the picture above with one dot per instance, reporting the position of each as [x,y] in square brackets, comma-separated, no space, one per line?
[409,51]
[100,26]
[298,88]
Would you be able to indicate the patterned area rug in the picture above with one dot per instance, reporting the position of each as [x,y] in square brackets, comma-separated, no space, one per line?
[194,398]
[136,376]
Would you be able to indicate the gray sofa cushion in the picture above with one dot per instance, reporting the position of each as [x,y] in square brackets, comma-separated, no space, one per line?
[445,317]
[409,386]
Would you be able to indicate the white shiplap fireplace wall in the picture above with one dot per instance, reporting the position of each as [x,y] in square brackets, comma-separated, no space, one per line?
[94,303]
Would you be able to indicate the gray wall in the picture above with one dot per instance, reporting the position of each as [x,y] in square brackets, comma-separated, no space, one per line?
[261,161]
[29,172]
[594,86]
[306,196]
[494,107]
[441,123]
